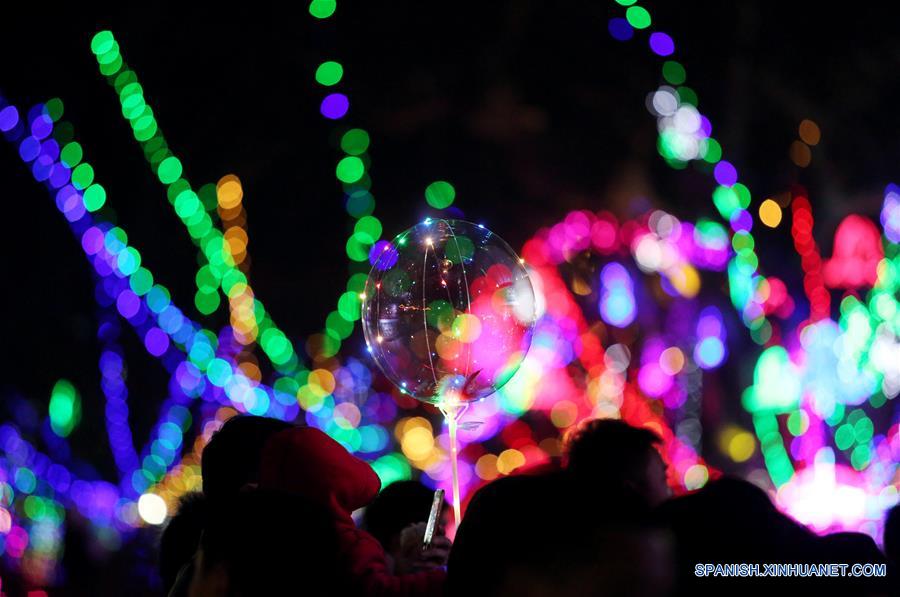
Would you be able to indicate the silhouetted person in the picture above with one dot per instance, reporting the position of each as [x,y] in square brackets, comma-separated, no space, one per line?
[732,521]
[306,462]
[231,458]
[395,512]
[259,542]
[891,543]
[611,455]
[891,540]
[850,548]
[545,534]
[179,541]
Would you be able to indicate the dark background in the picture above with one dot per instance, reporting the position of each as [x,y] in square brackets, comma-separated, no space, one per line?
[529,108]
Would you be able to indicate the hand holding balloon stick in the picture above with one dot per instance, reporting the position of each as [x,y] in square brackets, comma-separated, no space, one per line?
[448,313]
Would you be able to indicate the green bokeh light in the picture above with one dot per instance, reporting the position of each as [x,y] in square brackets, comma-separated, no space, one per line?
[169,170]
[368,229]
[440,194]
[638,17]
[65,408]
[350,169]
[322,9]
[94,197]
[329,73]
[71,154]
[102,42]
[355,141]
[673,72]
[82,176]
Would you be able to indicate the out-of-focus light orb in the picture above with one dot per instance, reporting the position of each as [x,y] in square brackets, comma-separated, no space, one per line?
[152,509]
[638,17]
[440,194]
[617,304]
[322,9]
[334,106]
[671,361]
[741,446]
[800,154]
[857,252]
[809,132]
[329,73]
[661,44]
[620,29]
[448,311]
[770,213]
[725,173]
[696,477]
[890,213]
[617,358]
[709,352]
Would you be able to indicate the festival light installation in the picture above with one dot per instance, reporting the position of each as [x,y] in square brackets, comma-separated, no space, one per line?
[828,430]
[825,381]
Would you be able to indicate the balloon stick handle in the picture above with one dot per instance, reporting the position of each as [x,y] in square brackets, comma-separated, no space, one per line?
[454,457]
[452,413]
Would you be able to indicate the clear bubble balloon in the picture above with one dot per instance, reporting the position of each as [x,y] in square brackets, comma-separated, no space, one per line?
[448,311]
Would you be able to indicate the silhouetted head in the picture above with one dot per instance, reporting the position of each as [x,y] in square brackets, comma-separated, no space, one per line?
[731,520]
[397,506]
[613,455]
[181,537]
[891,539]
[545,534]
[260,542]
[231,458]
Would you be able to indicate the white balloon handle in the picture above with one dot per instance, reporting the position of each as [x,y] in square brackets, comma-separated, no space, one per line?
[452,413]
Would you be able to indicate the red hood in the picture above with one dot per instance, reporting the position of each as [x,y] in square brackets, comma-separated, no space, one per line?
[306,461]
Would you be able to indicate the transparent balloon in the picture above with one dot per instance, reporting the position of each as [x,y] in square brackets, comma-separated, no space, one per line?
[448,311]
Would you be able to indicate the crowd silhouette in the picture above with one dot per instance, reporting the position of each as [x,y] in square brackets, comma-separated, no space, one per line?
[276,517]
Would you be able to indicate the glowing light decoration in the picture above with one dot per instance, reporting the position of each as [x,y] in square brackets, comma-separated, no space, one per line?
[890,213]
[448,311]
[776,383]
[825,495]
[567,375]
[685,136]
[683,132]
[65,408]
[710,351]
[152,509]
[617,306]
[857,253]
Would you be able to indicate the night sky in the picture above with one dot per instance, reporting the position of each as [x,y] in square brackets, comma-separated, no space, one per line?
[529,108]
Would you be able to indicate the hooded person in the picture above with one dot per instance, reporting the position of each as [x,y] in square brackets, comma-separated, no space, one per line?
[307,462]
